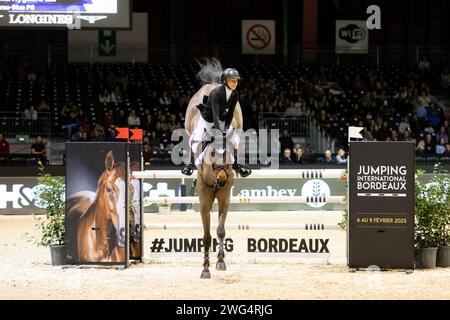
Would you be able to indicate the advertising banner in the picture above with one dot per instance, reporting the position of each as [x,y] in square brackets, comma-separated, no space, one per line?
[381,205]
[96,203]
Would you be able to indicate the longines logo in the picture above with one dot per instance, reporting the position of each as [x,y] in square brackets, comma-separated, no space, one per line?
[41,19]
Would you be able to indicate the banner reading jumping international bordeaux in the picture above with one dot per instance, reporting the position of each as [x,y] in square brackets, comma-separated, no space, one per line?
[381,205]
[96,203]
[136,235]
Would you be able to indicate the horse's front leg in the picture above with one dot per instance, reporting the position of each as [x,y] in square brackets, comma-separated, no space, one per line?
[223,210]
[206,219]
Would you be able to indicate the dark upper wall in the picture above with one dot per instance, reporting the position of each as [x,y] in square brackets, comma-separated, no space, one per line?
[207,25]
[405,23]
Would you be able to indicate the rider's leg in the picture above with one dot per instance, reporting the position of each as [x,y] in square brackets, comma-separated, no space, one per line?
[243,170]
[189,168]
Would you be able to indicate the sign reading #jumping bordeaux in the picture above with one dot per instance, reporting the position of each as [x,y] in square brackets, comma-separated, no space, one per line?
[96,203]
[381,205]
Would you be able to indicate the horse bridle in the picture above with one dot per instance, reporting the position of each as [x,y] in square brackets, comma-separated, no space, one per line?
[217,169]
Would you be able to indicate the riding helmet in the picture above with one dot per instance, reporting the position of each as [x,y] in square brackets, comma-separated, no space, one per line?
[230,73]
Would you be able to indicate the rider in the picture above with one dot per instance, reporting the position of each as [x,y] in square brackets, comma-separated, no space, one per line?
[218,113]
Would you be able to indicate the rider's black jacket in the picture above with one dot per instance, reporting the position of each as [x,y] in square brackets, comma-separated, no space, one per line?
[218,108]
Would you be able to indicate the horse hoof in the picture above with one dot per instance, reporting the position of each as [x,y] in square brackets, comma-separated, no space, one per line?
[220,265]
[205,275]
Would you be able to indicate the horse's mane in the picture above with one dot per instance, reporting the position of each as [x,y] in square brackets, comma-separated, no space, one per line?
[210,71]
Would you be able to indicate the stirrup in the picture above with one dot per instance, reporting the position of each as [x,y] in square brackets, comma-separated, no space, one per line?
[245,172]
[188,170]
[242,170]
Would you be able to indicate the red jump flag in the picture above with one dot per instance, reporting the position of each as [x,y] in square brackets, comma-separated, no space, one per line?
[136,134]
[123,133]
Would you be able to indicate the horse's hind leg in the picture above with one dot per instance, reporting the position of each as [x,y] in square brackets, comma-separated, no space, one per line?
[223,210]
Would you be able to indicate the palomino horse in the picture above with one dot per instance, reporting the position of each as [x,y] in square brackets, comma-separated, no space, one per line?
[97,220]
[214,181]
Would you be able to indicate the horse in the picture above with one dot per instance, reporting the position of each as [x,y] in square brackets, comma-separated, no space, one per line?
[96,221]
[214,181]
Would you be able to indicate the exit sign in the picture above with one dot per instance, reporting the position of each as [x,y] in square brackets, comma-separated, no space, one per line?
[107,43]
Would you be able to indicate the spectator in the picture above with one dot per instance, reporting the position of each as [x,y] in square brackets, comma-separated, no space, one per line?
[146,153]
[328,158]
[341,157]
[43,106]
[286,141]
[298,156]
[30,114]
[290,111]
[435,116]
[429,143]
[84,137]
[424,99]
[116,95]
[133,119]
[447,150]
[98,133]
[65,111]
[164,100]
[121,119]
[286,158]
[32,76]
[108,120]
[404,125]
[174,123]
[78,135]
[440,147]
[443,134]
[424,65]
[39,148]
[149,123]
[104,96]
[4,145]
[421,151]
[407,136]
[72,122]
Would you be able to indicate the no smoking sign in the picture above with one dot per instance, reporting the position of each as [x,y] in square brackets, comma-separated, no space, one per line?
[258,36]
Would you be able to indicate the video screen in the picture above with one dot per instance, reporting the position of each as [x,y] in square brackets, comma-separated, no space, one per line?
[58,13]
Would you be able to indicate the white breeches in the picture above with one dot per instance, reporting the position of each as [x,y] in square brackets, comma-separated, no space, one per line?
[203,126]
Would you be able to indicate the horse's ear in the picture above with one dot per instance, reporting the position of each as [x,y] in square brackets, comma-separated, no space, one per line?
[109,161]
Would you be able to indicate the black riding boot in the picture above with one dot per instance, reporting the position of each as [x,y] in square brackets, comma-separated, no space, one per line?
[189,168]
[243,170]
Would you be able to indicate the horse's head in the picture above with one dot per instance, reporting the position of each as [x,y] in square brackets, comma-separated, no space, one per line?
[217,164]
[112,188]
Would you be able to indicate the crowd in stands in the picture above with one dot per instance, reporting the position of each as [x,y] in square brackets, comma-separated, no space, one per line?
[394,103]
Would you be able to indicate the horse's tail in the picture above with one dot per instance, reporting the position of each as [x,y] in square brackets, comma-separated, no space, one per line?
[210,71]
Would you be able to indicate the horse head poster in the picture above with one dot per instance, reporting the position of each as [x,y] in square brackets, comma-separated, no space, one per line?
[96,205]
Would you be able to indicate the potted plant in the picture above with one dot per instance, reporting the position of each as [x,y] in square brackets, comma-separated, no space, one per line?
[443,253]
[431,218]
[164,208]
[50,195]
